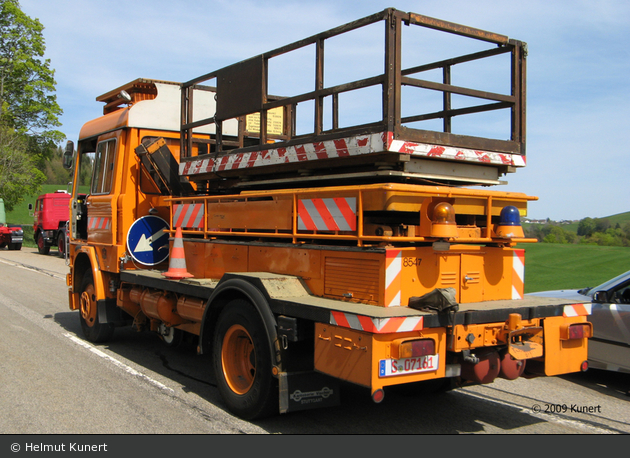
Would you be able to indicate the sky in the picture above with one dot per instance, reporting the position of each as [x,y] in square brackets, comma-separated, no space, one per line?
[578,67]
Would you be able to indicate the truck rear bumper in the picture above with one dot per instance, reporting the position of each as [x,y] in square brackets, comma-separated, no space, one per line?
[377,360]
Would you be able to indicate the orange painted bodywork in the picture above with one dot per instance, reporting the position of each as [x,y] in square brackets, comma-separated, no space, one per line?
[356,356]
[563,356]
[477,273]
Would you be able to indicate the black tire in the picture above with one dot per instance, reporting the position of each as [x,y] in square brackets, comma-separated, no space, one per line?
[41,245]
[93,330]
[15,246]
[242,362]
[61,244]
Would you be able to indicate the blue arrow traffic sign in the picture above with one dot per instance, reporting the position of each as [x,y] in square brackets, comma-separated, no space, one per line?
[147,240]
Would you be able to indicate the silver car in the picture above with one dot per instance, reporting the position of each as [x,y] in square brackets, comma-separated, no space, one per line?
[609,348]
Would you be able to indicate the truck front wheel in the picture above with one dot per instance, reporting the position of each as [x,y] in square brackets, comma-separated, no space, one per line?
[41,245]
[61,243]
[242,362]
[93,329]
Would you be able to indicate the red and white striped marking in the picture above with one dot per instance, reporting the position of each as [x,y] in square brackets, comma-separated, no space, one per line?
[344,147]
[451,153]
[330,214]
[393,278]
[577,310]
[188,215]
[99,222]
[377,325]
[518,274]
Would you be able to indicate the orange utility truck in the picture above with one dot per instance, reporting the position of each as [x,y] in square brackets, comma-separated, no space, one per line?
[326,234]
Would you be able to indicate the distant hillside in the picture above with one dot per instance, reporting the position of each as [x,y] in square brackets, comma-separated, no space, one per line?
[613,230]
[620,218]
[572,226]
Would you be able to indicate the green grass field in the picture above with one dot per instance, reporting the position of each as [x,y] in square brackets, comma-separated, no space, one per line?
[550,266]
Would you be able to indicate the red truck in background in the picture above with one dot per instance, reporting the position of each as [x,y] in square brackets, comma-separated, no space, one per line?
[10,236]
[51,215]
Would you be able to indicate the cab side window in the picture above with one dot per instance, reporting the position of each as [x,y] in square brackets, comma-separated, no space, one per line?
[103,174]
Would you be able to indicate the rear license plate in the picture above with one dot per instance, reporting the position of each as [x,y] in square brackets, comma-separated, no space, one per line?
[389,367]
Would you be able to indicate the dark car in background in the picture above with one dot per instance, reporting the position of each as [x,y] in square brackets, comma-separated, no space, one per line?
[609,348]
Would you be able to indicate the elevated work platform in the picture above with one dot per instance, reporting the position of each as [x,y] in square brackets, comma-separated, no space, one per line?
[422,127]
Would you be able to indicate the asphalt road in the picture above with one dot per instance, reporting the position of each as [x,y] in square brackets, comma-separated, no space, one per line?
[54,382]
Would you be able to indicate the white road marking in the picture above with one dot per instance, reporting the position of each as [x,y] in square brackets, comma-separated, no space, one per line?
[117,363]
[36,319]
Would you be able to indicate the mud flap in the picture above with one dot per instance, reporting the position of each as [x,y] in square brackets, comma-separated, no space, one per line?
[307,390]
[109,312]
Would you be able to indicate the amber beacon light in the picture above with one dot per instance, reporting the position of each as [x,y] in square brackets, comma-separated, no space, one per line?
[443,221]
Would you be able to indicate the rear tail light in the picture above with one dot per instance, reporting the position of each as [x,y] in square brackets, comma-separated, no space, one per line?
[576,331]
[416,348]
[378,396]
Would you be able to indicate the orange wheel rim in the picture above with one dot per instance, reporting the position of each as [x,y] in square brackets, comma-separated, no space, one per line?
[88,305]
[238,359]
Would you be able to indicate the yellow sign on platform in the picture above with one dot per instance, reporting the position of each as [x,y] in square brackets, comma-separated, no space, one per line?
[275,122]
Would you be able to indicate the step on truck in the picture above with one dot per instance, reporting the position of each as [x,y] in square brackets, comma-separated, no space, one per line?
[341,231]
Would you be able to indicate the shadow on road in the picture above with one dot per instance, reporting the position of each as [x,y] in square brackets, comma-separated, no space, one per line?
[453,412]
[610,383]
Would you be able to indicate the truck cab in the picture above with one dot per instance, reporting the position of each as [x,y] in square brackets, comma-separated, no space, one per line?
[112,187]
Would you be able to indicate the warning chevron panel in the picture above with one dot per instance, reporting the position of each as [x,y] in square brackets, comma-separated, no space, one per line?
[330,214]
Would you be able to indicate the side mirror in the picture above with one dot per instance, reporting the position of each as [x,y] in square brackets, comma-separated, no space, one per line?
[30,207]
[600,296]
[68,155]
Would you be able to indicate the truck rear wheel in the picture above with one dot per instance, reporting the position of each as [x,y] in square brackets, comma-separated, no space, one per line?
[93,329]
[242,362]
[41,245]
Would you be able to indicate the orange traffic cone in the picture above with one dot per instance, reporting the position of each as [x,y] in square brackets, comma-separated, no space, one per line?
[177,264]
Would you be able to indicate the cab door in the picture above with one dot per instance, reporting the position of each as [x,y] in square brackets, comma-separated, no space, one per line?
[101,201]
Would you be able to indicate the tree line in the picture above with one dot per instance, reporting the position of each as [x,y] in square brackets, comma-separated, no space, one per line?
[590,231]
[29,112]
